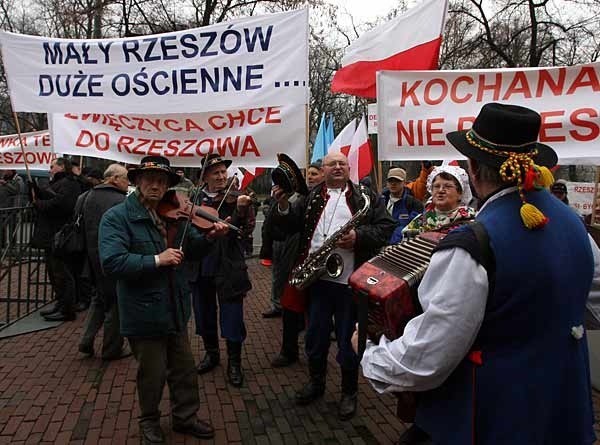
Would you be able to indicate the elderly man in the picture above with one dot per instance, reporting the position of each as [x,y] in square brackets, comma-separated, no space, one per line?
[400,202]
[103,308]
[328,207]
[499,354]
[141,250]
[223,275]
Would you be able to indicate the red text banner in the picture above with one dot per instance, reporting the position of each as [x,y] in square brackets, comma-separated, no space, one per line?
[581,196]
[38,153]
[250,138]
[416,109]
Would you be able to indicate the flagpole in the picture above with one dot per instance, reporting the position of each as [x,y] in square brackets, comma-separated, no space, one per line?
[307,136]
[18,126]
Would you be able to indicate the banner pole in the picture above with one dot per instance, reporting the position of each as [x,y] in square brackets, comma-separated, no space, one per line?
[379,177]
[307,136]
[18,126]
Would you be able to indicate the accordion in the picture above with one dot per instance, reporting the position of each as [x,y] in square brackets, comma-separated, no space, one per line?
[390,281]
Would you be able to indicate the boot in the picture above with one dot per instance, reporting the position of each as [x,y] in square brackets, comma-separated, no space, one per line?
[61,316]
[347,406]
[234,363]
[212,358]
[315,388]
[152,433]
[289,344]
[56,307]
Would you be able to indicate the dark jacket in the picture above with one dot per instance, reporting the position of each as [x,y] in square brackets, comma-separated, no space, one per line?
[95,203]
[404,211]
[226,261]
[153,302]
[54,206]
[371,235]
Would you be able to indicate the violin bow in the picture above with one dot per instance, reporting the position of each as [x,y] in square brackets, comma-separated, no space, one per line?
[227,192]
[191,212]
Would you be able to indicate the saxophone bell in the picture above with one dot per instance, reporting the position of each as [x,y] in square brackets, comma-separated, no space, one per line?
[334,265]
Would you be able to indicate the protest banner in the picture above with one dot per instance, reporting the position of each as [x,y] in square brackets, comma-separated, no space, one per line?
[250,138]
[372,118]
[581,196]
[37,147]
[416,109]
[245,63]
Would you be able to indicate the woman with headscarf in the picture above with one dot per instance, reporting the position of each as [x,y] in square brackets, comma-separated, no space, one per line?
[448,206]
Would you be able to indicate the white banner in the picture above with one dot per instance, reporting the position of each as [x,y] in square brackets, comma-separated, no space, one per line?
[37,147]
[245,63]
[416,109]
[372,118]
[250,138]
[581,196]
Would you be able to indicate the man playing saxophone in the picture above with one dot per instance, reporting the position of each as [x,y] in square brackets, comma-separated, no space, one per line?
[330,206]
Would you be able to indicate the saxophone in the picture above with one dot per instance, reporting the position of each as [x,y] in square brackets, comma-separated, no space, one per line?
[323,260]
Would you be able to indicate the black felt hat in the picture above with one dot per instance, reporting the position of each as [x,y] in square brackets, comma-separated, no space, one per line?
[501,130]
[214,159]
[288,176]
[154,163]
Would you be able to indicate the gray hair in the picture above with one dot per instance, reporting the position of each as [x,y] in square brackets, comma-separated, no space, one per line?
[114,170]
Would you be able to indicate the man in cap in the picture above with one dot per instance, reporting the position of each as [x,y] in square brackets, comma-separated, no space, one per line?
[559,189]
[499,354]
[399,202]
[223,275]
[141,250]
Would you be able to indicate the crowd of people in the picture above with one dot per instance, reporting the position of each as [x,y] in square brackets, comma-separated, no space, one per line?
[496,354]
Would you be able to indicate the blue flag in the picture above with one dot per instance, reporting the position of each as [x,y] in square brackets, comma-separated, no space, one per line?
[320,145]
[329,136]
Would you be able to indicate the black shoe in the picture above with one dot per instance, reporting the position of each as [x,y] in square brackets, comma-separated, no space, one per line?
[81,306]
[87,350]
[56,307]
[272,313]
[310,392]
[210,361]
[282,360]
[61,316]
[347,406]
[199,429]
[235,376]
[152,434]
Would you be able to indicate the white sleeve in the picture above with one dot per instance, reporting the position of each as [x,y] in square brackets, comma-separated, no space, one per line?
[593,303]
[453,295]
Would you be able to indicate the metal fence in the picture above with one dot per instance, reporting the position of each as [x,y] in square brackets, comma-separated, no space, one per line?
[24,285]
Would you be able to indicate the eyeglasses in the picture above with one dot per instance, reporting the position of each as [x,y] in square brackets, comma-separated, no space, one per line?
[335,163]
[438,187]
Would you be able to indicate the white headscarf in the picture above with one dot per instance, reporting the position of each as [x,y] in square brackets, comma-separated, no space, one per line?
[459,174]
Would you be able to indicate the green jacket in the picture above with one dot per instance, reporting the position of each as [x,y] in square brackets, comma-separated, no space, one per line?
[153,302]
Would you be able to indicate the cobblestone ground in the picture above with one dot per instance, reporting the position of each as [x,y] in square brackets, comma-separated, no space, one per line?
[49,393]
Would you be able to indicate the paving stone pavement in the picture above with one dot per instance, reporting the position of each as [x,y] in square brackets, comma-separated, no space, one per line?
[49,393]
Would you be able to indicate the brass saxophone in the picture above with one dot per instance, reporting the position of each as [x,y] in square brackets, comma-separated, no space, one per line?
[323,260]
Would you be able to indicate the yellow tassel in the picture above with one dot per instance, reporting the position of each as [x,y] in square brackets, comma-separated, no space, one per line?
[546,178]
[532,217]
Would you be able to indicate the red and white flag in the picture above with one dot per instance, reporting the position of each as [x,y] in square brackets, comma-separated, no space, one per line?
[249,175]
[344,139]
[409,42]
[360,160]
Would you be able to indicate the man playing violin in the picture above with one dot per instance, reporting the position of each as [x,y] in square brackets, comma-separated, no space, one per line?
[153,296]
[223,274]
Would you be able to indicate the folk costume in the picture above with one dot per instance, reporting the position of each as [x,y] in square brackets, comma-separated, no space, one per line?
[499,355]
[315,217]
[223,277]
[154,305]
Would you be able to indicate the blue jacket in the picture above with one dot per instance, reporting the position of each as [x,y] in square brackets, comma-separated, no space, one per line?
[533,385]
[404,211]
[153,302]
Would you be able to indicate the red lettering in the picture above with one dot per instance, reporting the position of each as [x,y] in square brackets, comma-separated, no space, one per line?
[71,116]
[545,79]
[172,124]
[124,120]
[239,117]
[402,132]
[224,144]
[546,125]
[454,89]
[139,148]
[251,112]
[172,148]
[443,93]
[406,93]
[581,82]
[249,147]
[420,132]
[123,143]
[482,87]
[85,139]
[273,115]
[519,85]
[594,131]
[156,147]
[189,143]
[209,142]
[212,121]
[465,123]
[431,131]
[193,125]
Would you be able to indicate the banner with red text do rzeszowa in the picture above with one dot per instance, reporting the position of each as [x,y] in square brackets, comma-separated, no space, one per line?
[416,109]
[250,138]
[244,63]
[38,153]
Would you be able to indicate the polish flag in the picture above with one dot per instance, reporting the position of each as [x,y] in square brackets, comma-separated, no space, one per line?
[249,175]
[343,140]
[409,42]
[454,163]
[360,160]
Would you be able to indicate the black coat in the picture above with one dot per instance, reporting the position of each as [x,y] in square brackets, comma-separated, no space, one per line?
[95,203]
[371,235]
[54,206]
